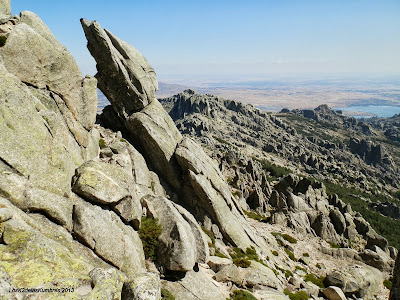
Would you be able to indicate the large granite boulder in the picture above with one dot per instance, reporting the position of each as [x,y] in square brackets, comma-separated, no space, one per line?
[101,182]
[35,56]
[181,244]
[156,138]
[361,281]
[125,77]
[104,232]
[35,252]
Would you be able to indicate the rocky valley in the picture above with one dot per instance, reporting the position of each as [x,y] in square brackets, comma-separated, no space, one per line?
[188,197]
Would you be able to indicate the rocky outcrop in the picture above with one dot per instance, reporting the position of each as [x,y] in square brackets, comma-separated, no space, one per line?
[125,77]
[5,10]
[73,193]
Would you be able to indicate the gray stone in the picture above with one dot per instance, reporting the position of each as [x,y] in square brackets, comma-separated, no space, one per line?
[145,287]
[177,249]
[338,221]
[258,275]
[194,286]
[107,284]
[202,249]
[125,77]
[378,259]
[217,263]
[231,273]
[35,60]
[363,281]
[157,138]
[101,182]
[28,146]
[5,7]
[334,293]
[104,232]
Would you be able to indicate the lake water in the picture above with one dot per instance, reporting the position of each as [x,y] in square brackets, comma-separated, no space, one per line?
[382,111]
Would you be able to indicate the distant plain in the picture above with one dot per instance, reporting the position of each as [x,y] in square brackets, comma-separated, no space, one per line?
[273,94]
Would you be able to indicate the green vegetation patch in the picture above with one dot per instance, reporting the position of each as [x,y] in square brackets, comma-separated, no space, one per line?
[242,295]
[255,216]
[149,232]
[300,268]
[275,253]
[242,262]
[333,245]
[290,254]
[222,141]
[388,284]
[385,226]
[275,171]
[301,295]
[306,254]
[3,40]
[210,234]
[166,295]
[102,143]
[318,281]
[287,237]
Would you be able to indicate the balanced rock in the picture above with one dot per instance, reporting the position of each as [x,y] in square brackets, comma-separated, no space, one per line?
[125,77]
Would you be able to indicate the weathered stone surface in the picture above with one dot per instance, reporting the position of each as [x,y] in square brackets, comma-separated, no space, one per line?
[177,248]
[215,205]
[378,259]
[145,287]
[101,182]
[88,110]
[194,286]
[201,241]
[217,263]
[35,60]
[124,75]
[269,294]
[362,281]
[258,275]
[338,221]
[27,144]
[334,293]
[5,7]
[157,138]
[37,253]
[107,284]
[104,232]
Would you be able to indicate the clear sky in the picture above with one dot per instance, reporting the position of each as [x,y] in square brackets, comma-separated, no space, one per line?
[237,37]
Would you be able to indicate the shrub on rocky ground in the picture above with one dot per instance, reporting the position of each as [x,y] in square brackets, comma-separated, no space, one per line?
[242,295]
[149,232]
[166,295]
[301,295]
[318,281]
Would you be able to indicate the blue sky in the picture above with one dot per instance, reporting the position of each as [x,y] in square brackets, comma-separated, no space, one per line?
[237,37]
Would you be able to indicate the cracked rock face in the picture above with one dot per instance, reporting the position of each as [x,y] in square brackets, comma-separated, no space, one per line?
[125,77]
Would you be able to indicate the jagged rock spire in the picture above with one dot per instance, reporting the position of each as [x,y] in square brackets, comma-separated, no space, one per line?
[125,77]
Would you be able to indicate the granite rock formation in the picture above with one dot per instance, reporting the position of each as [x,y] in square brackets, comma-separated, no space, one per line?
[74,195]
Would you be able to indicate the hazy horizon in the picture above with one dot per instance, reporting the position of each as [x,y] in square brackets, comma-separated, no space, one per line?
[233,38]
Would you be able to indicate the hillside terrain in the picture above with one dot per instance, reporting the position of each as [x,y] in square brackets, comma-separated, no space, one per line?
[226,203]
